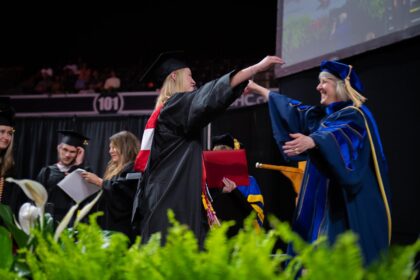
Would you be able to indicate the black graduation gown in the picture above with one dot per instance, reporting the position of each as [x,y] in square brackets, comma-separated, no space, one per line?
[60,201]
[14,197]
[117,202]
[231,207]
[173,177]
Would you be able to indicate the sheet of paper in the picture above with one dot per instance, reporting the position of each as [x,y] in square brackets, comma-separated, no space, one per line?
[76,187]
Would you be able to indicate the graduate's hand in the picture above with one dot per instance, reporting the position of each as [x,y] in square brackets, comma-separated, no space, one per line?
[300,144]
[266,63]
[229,185]
[92,178]
[80,156]
[249,72]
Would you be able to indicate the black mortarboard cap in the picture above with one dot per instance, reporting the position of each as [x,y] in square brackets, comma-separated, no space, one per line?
[224,139]
[73,138]
[7,112]
[163,65]
[341,71]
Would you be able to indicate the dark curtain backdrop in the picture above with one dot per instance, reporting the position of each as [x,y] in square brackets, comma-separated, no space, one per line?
[36,140]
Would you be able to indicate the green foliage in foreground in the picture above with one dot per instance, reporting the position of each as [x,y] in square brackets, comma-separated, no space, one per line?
[89,253]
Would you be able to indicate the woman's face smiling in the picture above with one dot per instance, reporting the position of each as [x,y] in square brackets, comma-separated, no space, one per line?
[327,89]
[6,134]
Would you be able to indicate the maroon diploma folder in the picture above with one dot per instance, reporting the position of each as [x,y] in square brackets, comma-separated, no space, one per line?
[231,164]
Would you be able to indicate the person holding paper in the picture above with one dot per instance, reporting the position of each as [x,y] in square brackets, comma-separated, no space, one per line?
[70,157]
[10,193]
[242,199]
[173,178]
[346,183]
[119,183]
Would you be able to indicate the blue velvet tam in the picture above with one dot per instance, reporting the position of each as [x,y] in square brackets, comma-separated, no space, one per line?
[341,71]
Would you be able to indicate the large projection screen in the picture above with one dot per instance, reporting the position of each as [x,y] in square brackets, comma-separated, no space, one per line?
[309,31]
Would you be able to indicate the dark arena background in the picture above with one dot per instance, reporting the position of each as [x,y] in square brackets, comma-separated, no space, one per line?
[40,51]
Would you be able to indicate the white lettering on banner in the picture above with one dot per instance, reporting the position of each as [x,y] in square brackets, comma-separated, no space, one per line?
[105,103]
[248,100]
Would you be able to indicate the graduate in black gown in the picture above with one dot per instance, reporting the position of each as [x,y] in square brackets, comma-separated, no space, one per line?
[345,185]
[70,157]
[173,178]
[119,183]
[10,193]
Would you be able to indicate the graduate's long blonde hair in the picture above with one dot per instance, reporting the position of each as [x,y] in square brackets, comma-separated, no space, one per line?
[6,159]
[172,85]
[127,145]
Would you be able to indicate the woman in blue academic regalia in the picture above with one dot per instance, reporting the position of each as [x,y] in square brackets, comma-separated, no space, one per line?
[345,186]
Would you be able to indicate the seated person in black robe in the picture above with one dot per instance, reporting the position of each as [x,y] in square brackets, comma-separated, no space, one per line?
[119,183]
[10,193]
[70,157]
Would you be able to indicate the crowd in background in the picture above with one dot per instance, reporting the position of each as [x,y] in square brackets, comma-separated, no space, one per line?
[82,77]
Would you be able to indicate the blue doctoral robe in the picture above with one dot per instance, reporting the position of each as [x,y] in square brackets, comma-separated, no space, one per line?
[340,190]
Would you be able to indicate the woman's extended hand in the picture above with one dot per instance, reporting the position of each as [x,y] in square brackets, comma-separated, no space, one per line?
[256,88]
[300,144]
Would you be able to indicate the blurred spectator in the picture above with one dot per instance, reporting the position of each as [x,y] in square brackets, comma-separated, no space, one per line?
[73,68]
[56,84]
[68,80]
[83,78]
[113,82]
[47,72]
[44,84]
[96,82]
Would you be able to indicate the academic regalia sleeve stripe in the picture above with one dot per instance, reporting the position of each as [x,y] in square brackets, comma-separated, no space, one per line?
[146,142]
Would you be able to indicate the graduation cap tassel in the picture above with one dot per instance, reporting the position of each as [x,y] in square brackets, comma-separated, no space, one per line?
[212,219]
[356,97]
[236,144]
